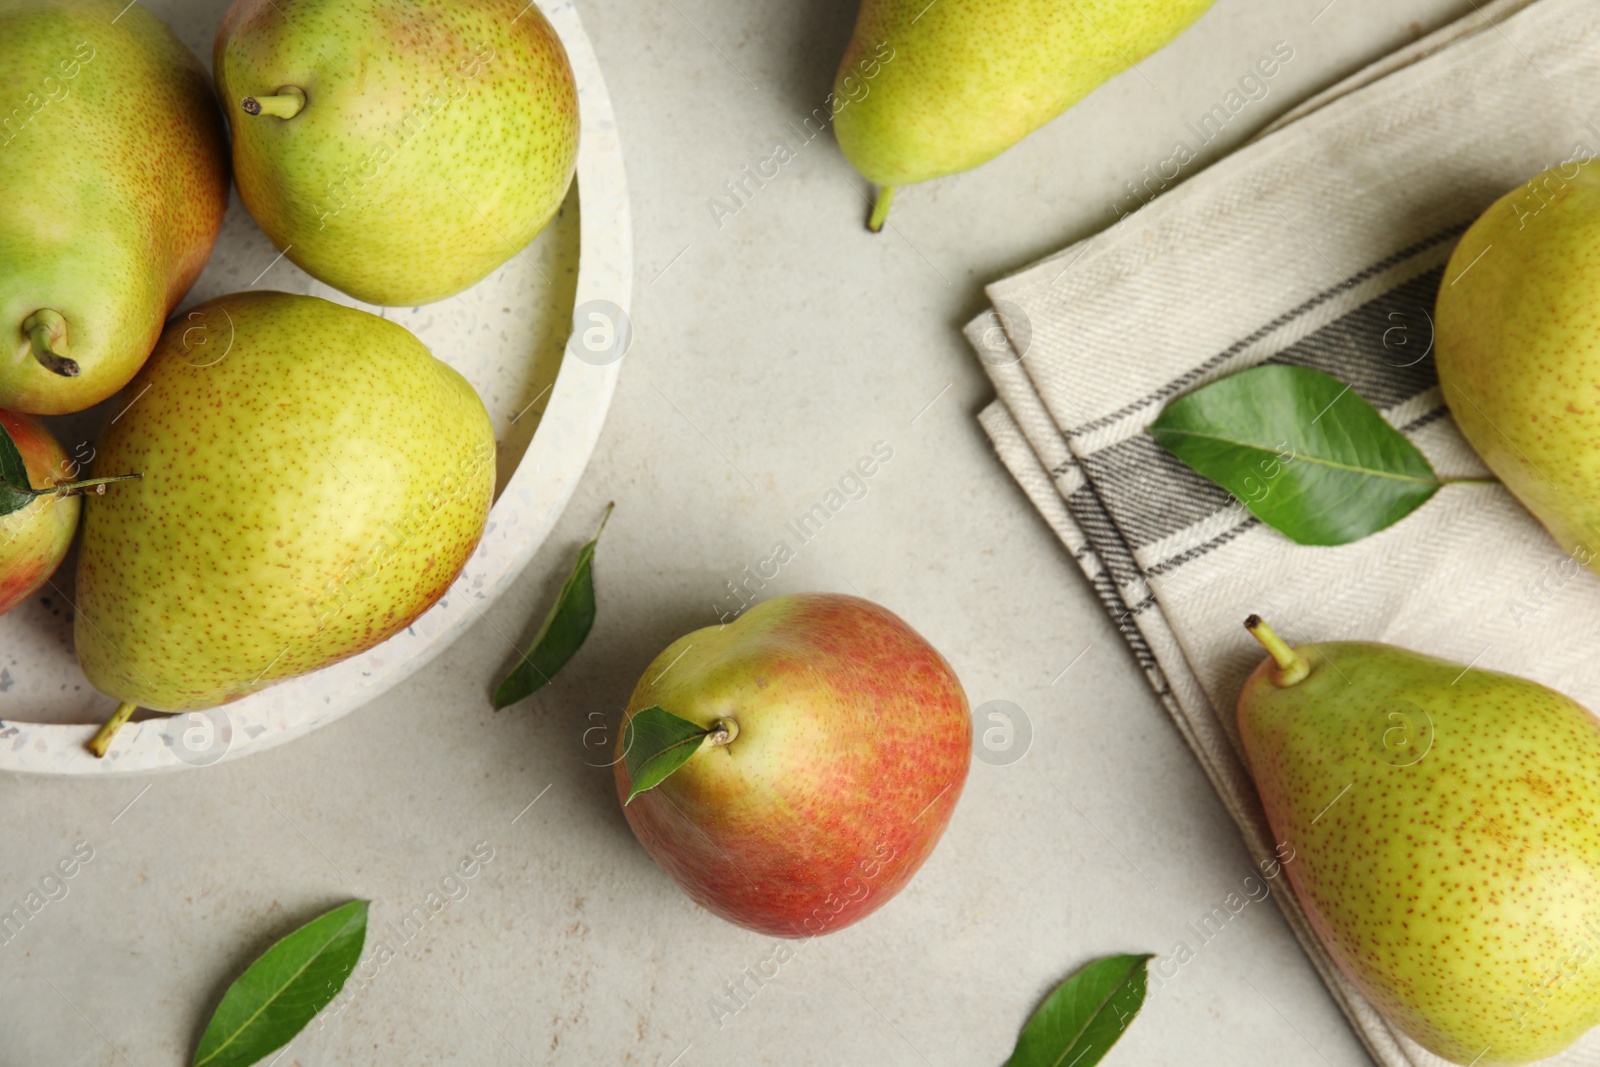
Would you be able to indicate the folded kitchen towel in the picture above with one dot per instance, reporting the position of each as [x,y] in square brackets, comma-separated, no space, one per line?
[1321,243]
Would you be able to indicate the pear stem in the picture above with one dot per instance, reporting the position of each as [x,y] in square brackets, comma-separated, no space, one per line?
[46,329]
[286,104]
[722,732]
[1292,666]
[97,484]
[880,208]
[102,740]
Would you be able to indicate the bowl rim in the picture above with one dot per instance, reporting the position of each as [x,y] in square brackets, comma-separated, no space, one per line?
[519,522]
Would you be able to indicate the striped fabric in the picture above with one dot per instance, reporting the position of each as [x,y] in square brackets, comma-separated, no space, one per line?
[1323,243]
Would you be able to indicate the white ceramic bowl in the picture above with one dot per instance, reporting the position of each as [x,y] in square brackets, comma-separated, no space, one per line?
[541,339]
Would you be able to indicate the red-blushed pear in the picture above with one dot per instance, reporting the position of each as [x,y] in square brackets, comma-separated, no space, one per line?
[35,538]
[793,769]
[39,507]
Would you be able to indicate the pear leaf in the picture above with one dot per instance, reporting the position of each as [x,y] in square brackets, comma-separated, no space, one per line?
[274,999]
[564,630]
[1084,1016]
[16,492]
[654,744]
[1301,450]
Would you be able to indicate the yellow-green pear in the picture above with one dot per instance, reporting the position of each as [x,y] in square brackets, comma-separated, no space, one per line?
[1445,828]
[1517,343]
[398,150]
[929,89]
[114,166]
[314,480]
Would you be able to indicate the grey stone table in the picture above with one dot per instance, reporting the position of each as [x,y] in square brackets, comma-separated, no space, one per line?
[776,343]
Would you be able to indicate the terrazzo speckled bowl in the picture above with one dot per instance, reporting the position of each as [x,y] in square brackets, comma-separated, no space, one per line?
[542,341]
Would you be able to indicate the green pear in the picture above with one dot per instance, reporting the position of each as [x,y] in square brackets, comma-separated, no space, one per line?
[398,150]
[114,164]
[1445,835]
[314,480]
[1517,343]
[929,89]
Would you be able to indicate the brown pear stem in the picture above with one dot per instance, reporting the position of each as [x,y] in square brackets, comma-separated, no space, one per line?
[47,332]
[286,104]
[1292,666]
[102,740]
[880,208]
[722,732]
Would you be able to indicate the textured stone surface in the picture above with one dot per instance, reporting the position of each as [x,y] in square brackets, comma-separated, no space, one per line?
[771,352]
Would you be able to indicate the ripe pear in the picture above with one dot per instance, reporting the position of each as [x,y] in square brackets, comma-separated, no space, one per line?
[34,539]
[398,150]
[837,743]
[114,164]
[1517,343]
[314,480]
[1445,834]
[929,89]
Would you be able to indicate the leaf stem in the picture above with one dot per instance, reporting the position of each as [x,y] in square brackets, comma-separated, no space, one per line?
[1471,481]
[603,520]
[97,484]
[102,740]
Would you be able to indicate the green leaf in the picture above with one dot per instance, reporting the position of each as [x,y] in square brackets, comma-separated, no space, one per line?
[563,633]
[1301,450]
[16,491]
[654,744]
[1079,1022]
[283,990]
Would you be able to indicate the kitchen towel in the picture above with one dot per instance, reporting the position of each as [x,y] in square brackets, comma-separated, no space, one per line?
[1321,243]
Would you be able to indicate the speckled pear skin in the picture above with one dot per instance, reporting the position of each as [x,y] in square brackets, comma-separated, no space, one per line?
[114,163]
[926,90]
[438,137]
[1459,890]
[1518,348]
[314,480]
[35,539]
